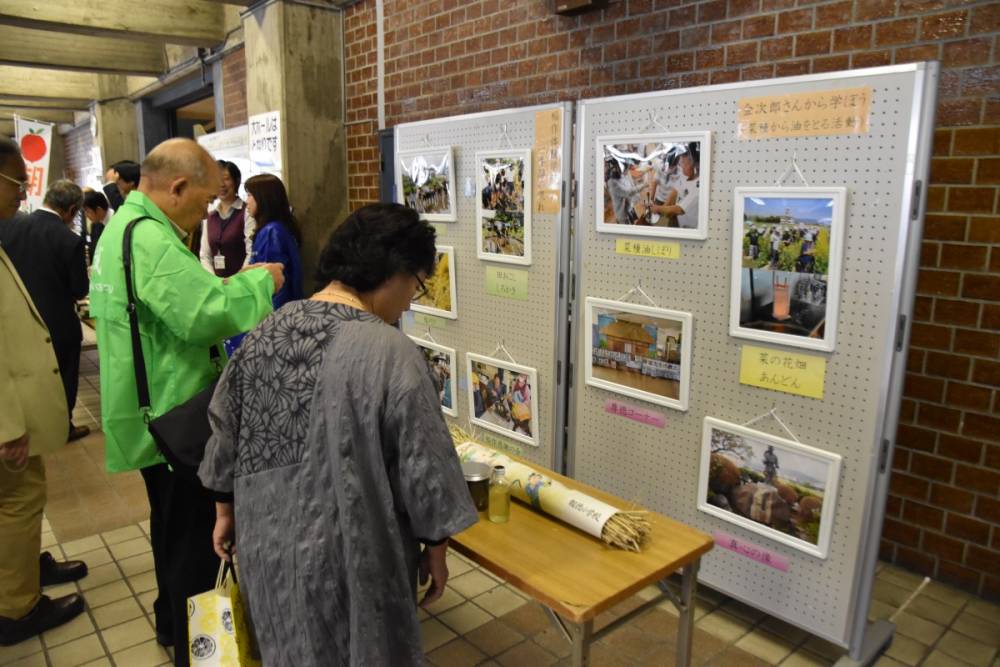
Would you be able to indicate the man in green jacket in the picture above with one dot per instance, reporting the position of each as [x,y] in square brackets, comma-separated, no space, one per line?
[183,311]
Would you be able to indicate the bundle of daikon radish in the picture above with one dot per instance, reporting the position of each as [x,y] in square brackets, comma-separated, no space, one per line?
[625,529]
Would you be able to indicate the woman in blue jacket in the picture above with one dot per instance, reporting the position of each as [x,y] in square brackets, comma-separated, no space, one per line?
[276,238]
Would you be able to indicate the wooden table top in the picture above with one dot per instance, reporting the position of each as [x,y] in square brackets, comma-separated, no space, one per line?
[574,574]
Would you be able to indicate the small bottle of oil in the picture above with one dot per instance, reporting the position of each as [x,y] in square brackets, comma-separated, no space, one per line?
[499,510]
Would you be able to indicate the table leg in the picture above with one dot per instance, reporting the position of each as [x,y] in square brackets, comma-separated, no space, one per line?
[582,636]
[685,625]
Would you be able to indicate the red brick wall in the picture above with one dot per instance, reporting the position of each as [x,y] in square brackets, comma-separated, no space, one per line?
[362,115]
[234,88]
[447,57]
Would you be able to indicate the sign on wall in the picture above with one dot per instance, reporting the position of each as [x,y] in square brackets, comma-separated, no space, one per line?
[35,140]
[265,143]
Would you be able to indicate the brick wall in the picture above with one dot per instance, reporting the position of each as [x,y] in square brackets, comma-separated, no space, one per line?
[234,88]
[447,57]
[362,115]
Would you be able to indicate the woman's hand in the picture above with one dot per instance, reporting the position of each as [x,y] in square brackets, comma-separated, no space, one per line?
[224,535]
[433,564]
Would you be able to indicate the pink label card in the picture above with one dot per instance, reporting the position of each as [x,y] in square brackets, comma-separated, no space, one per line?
[641,415]
[751,551]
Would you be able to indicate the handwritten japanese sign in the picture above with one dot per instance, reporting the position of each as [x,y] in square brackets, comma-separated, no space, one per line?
[423,320]
[586,513]
[507,283]
[613,407]
[499,444]
[778,370]
[658,249]
[265,142]
[751,551]
[814,114]
[547,157]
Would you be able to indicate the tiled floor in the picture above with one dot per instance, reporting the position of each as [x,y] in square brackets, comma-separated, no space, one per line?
[479,621]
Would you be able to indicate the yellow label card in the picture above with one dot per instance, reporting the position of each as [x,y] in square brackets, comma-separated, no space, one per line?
[507,283]
[813,114]
[659,249]
[426,320]
[779,370]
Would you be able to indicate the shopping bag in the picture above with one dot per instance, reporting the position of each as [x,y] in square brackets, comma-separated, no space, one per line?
[219,631]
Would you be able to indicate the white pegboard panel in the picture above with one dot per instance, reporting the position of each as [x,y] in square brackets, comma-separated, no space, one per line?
[659,467]
[532,330]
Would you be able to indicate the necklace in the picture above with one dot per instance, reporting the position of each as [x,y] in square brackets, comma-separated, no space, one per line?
[343,297]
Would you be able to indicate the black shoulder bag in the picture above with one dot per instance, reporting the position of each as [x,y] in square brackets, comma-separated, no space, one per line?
[182,433]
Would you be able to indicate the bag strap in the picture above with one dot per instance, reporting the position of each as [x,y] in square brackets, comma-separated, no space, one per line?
[138,360]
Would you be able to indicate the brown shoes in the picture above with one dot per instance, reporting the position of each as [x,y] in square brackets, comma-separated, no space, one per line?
[54,572]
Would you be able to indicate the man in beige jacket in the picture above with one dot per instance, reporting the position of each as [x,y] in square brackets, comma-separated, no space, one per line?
[32,422]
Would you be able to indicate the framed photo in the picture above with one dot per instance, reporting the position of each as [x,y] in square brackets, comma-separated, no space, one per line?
[503,397]
[639,351]
[440,298]
[778,488]
[441,361]
[654,184]
[786,265]
[503,229]
[425,181]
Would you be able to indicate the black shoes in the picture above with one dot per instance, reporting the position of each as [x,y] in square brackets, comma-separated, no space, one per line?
[47,614]
[54,572]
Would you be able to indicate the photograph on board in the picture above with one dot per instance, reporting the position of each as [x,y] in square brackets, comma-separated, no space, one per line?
[639,351]
[441,361]
[425,182]
[503,230]
[502,397]
[654,185]
[438,294]
[773,486]
[786,265]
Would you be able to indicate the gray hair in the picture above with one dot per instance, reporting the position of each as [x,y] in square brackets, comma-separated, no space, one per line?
[171,160]
[64,196]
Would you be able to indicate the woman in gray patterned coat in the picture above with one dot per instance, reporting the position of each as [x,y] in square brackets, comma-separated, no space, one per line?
[328,433]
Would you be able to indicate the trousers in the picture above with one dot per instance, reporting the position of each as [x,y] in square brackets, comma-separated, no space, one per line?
[68,358]
[22,499]
[181,521]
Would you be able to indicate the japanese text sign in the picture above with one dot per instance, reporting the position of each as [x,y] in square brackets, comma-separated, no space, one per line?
[34,139]
[507,283]
[751,551]
[813,114]
[265,142]
[779,370]
[547,156]
[643,416]
[657,249]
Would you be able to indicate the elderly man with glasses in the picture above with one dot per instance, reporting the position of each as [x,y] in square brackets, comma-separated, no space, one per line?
[33,416]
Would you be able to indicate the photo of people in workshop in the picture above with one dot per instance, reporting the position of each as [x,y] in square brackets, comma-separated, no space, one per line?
[638,351]
[427,183]
[785,267]
[501,397]
[504,207]
[653,186]
[441,361]
[776,484]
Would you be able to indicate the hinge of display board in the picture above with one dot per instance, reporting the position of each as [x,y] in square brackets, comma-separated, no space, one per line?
[915,207]
[562,192]
[900,332]
[883,457]
[558,371]
[560,285]
[569,374]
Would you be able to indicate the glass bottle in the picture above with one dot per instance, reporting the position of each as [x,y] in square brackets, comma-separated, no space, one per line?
[499,510]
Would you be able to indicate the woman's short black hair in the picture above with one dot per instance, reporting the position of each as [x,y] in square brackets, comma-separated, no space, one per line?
[375,243]
[95,200]
[234,172]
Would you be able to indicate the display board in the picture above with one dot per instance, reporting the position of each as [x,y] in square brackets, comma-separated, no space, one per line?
[510,311]
[651,451]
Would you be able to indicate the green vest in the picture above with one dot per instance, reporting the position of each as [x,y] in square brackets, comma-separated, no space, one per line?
[183,310]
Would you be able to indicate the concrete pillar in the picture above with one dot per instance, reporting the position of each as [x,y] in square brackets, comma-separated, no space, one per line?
[295,65]
[117,131]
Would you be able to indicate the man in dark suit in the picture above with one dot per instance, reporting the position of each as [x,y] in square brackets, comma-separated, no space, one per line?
[50,260]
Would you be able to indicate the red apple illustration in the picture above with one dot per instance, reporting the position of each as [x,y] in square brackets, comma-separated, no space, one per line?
[33,146]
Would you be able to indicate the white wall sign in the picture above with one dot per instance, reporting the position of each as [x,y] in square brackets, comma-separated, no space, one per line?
[265,143]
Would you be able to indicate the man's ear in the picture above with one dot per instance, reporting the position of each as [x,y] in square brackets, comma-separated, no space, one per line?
[179,186]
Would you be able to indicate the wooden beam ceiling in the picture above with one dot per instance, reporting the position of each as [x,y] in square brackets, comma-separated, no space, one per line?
[190,22]
[54,104]
[41,84]
[79,52]
[46,115]
[6,128]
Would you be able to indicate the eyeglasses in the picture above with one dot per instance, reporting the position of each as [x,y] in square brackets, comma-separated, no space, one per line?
[421,288]
[22,186]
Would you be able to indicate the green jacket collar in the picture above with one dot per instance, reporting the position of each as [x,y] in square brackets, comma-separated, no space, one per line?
[140,201]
